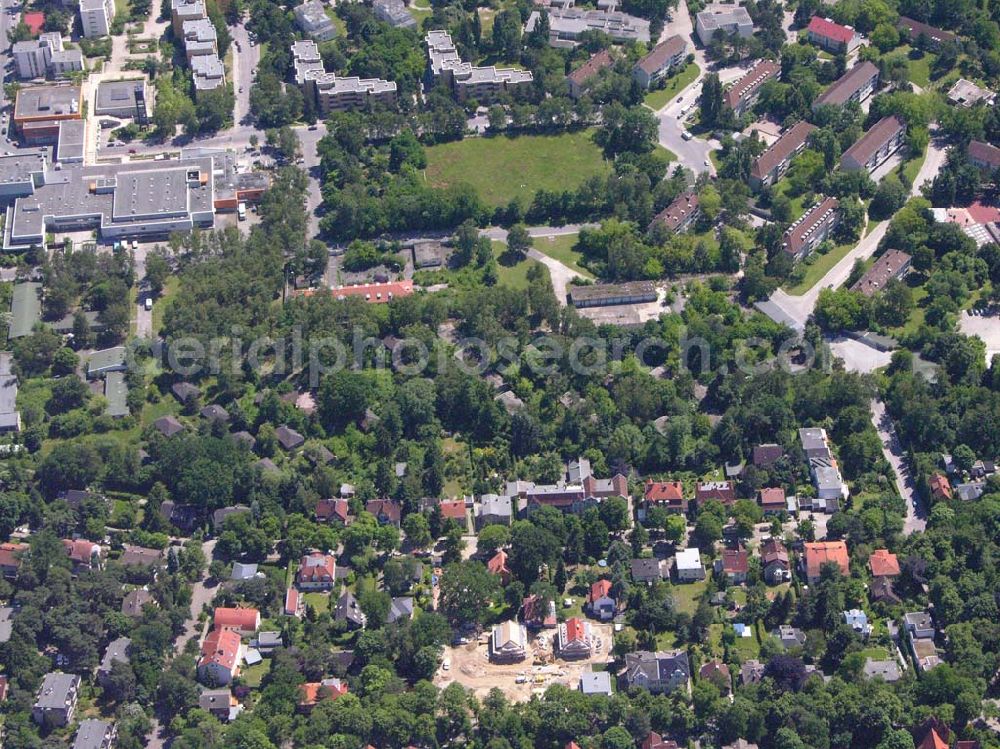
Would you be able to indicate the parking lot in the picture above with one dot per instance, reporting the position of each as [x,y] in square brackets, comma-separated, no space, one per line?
[470,666]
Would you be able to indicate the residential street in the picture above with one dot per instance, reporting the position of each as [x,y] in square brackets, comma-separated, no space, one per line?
[309,138]
[916,514]
[201,596]
[245,61]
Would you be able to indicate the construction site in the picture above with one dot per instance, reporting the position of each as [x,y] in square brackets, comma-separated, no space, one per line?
[469,664]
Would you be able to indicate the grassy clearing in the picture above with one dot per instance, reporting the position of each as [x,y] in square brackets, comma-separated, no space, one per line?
[502,169]
[687,595]
[160,305]
[657,100]
[516,275]
[253,675]
[561,249]
[319,601]
[912,167]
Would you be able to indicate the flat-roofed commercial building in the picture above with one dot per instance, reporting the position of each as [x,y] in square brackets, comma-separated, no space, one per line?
[874,147]
[814,227]
[771,164]
[731,20]
[857,84]
[468,81]
[47,105]
[122,99]
[10,417]
[70,147]
[137,199]
[21,173]
[744,93]
[891,265]
[567,25]
[608,294]
[25,309]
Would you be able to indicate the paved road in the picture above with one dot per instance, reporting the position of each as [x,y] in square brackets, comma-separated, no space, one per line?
[143,317]
[892,449]
[309,138]
[201,596]
[245,61]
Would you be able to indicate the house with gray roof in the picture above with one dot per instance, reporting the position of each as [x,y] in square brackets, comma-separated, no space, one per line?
[394,13]
[348,610]
[288,438]
[117,651]
[10,417]
[168,426]
[55,703]
[242,571]
[6,623]
[104,361]
[220,516]
[662,672]
[494,509]
[596,682]
[25,309]
[116,394]
[401,608]
[95,734]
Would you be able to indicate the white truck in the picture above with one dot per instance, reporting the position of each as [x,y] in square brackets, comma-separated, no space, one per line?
[241,211]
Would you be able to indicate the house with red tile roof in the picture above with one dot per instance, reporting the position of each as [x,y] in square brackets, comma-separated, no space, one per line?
[537,613]
[221,654]
[983,156]
[373,293]
[84,554]
[734,564]
[718,673]
[579,79]
[245,621]
[666,494]
[933,740]
[599,601]
[336,510]
[10,558]
[772,500]
[774,559]
[292,602]
[312,692]
[574,640]
[940,487]
[820,553]
[317,571]
[833,37]
[498,566]
[656,741]
[571,745]
[386,511]
[723,491]
[883,563]
[453,510]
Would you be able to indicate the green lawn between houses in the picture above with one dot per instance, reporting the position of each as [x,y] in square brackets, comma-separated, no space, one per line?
[501,169]
[658,99]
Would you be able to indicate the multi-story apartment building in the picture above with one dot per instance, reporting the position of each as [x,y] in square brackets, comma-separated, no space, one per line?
[468,81]
[816,225]
[874,147]
[744,93]
[771,164]
[96,16]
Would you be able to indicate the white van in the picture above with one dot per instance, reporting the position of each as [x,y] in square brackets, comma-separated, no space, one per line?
[149,303]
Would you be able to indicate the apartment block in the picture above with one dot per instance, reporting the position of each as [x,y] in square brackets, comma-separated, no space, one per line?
[875,146]
[731,20]
[208,72]
[567,25]
[816,225]
[771,164]
[333,93]
[468,81]
[394,13]
[186,10]
[663,58]
[96,16]
[36,58]
[857,84]
[312,19]
[833,37]
[742,95]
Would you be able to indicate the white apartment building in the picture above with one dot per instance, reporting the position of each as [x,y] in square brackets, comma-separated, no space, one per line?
[333,93]
[95,17]
[468,81]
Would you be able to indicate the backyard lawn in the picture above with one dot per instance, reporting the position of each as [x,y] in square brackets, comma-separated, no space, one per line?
[687,595]
[657,100]
[502,169]
[319,601]
[561,249]
[252,675]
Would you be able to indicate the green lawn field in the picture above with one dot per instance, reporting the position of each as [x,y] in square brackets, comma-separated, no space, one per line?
[516,275]
[501,169]
[657,100]
[561,249]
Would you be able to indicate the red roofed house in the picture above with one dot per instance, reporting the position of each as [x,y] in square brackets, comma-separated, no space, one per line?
[373,293]
[772,500]
[333,510]
[832,36]
[574,639]
[34,21]
[933,741]
[84,555]
[734,564]
[221,654]
[243,621]
[536,613]
[723,491]
[292,605]
[718,673]
[571,745]
[317,571]
[883,563]
[940,487]
[312,692]
[668,494]
[498,566]
[983,156]
[386,511]
[599,601]
[453,511]
[816,555]
[10,558]
[656,741]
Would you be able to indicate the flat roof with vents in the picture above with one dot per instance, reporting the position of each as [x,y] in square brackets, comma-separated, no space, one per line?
[47,102]
[118,96]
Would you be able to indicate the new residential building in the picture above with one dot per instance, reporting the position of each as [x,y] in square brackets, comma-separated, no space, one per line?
[731,20]
[312,19]
[771,164]
[468,81]
[875,146]
[816,225]
[660,672]
[744,93]
[96,16]
[663,58]
[833,37]
[567,25]
[333,93]
[857,84]
[36,58]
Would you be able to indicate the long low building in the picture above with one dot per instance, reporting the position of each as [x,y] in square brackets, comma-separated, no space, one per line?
[10,417]
[893,264]
[874,147]
[857,84]
[608,294]
[913,31]
[567,25]
[771,164]
[744,93]
[814,227]
[137,199]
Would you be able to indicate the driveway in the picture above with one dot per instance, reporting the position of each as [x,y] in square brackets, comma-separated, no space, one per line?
[562,275]
[892,449]
[245,61]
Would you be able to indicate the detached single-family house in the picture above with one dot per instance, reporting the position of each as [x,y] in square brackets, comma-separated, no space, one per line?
[220,703]
[537,613]
[117,650]
[734,564]
[596,682]
[661,672]
[767,454]
[386,511]
[348,610]
[940,487]
[687,563]
[85,555]
[600,604]
[820,553]
[494,509]
[317,571]
[920,625]
[883,563]
[134,601]
[244,621]
[722,491]
[666,494]
[312,693]
[649,570]
[774,559]
[574,639]
[221,654]
[717,672]
[772,500]
[857,620]
[333,510]
[509,642]
[790,637]
[10,558]
[498,566]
